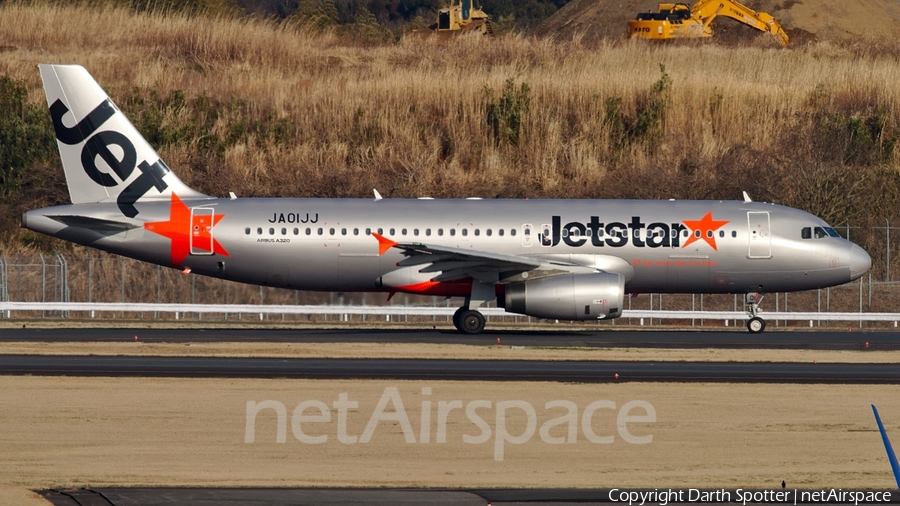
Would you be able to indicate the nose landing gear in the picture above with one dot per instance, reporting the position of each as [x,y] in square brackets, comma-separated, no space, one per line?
[755,324]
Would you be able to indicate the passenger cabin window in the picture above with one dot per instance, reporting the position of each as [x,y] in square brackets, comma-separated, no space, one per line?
[500,232]
[512,231]
[271,231]
[259,230]
[308,231]
[283,231]
[296,231]
[465,231]
[734,233]
[440,231]
[452,231]
[247,230]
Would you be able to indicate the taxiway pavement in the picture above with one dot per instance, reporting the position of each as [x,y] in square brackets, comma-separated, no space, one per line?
[450,370]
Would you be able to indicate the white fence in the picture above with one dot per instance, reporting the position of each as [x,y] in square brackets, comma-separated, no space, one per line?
[92,308]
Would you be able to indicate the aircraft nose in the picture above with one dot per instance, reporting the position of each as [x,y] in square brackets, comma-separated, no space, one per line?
[860,262]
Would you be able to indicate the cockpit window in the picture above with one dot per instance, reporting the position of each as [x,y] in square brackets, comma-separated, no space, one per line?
[818,232]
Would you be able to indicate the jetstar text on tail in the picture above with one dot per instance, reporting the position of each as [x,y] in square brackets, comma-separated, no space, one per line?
[617,234]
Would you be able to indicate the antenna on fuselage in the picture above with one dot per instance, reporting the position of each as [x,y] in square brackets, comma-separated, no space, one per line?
[746,197]
[377,195]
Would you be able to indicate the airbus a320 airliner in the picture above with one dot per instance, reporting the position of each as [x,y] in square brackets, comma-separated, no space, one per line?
[559,259]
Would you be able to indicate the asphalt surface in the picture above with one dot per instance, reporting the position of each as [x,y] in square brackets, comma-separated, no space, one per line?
[297,497]
[459,370]
[738,339]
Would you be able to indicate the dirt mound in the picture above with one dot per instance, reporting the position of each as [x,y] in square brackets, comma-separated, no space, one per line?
[804,20]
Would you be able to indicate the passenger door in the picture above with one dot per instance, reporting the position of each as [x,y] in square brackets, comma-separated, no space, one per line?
[758,235]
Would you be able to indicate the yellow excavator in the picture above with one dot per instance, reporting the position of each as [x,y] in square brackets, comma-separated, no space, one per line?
[462,16]
[677,20]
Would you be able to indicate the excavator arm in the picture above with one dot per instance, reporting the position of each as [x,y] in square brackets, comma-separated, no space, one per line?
[707,10]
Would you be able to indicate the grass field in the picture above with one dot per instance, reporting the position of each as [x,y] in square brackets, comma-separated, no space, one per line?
[444,351]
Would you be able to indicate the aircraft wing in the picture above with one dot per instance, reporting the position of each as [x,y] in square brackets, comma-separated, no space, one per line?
[892,458]
[457,263]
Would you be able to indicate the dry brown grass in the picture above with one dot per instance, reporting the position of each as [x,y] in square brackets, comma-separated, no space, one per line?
[412,96]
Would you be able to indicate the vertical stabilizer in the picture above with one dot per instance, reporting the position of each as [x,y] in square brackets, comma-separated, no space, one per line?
[104,157]
[892,457]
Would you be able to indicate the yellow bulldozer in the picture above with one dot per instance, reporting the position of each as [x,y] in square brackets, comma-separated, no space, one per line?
[677,20]
[462,16]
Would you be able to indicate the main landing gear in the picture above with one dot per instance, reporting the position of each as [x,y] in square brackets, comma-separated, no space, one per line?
[468,319]
[755,324]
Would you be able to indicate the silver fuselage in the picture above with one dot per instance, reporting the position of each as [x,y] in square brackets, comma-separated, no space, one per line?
[323,244]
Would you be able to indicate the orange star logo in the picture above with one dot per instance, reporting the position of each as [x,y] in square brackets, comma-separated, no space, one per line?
[706,226]
[187,232]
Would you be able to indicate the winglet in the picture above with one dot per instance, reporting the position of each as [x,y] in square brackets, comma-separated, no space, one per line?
[384,243]
[887,447]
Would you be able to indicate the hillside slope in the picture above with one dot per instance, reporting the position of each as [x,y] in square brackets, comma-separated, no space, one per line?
[834,20]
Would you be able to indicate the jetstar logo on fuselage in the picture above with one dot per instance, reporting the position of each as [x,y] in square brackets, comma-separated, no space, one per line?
[617,234]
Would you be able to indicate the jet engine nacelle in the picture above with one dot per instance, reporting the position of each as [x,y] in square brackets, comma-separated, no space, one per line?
[568,296]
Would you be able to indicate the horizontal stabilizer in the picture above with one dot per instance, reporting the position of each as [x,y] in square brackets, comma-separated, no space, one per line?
[93,223]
